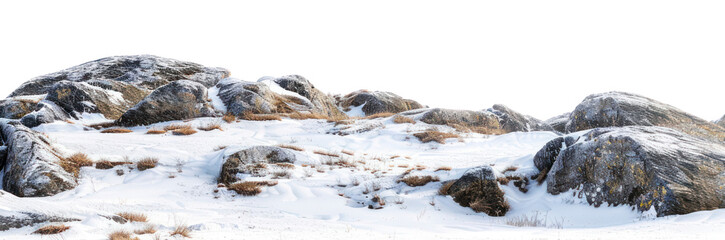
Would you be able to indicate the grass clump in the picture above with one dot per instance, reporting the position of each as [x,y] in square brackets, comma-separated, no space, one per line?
[51,229]
[186,130]
[246,188]
[380,115]
[175,126]
[291,147]
[181,230]
[305,115]
[417,181]
[348,152]
[444,168]
[133,217]
[116,130]
[249,116]
[483,196]
[399,119]
[121,235]
[148,229]
[146,163]
[211,126]
[74,163]
[229,118]
[324,153]
[105,164]
[435,136]
[155,131]
[444,188]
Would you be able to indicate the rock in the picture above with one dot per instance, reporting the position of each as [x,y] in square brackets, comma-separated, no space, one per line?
[177,100]
[476,121]
[16,213]
[377,102]
[144,71]
[558,123]
[616,109]
[242,161]
[32,167]
[512,121]
[45,112]
[544,158]
[323,103]
[478,189]
[3,154]
[12,108]
[79,97]
[643,167]
[721,122]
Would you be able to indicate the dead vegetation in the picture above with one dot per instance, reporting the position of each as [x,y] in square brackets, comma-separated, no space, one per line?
[175,126]
[74,163]
[399,119]
[291,147]
[542,175]
[348,152]
[444,188]
[417,181]
[155,131]
[246,188]
[324,153]
[285,165]
[148,229]
[510,169]
[249,116]
[443,168]
[229,118]
[186,130]
[211,127]
[51,229]
[116,130]
[380,115]
[105,164]
[436,136]
[305,115]
[133,217]
[121,235]
[99,126]
[146,163]
[483,196]
[181,230]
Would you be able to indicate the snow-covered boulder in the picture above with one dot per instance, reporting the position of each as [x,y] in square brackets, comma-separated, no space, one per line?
[479,121]
[16,108]
[643,167]
[478,189]
[300,85]
[45,112]
[17,213]
[177,100]
[545,157]
[512,121]
[32,166]
[143,71]
[79,97]
[376,102]
[721,122]
[244,161]
[616,109]
[558,123]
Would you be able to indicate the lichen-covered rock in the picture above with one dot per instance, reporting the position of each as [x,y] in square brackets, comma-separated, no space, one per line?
[558,123]
[323,103]
[478,189]
[243,161]
[477,121]
[721,122]
[544,158]
[79,97]
[643,167]
[377,102]
[17,213]
[143,71]
[512,121]
[177,100]
[45,112]
[616,109]
[32,167]
[15,108]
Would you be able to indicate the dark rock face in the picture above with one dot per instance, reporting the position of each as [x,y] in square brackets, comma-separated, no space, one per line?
[643,167]
[558,123]
[241,161]
[77,97]
[616,109]
[322,103]
[178,100]
[32,165]
[512,121]
[21,216]
[478,189]
[45,112]
[721,122]
[144,71]
[16,108]
[484,122]
[544,158]
[377,102]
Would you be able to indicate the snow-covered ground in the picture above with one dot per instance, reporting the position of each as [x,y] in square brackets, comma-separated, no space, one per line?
[328,202]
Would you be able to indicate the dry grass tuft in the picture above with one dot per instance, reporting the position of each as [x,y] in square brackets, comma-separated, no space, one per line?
[229,118]
[417,181]
[146,163]
[148,229]
[186,130]
[181,230]
[74,163]
[380,115]
[116,130]
[542,176]
[292,147]
[155,131]
[260,117]
[219,148]
[51,229]
[305,115]
[99,126]
[323,153]
[121,235]
[105,164]
[133,217]
[483,196]
[175,126]
[211,126]
[348,152]
[285,165]
[403,119]
[444,168]
[439,137]
[510,169]
[444,189]
[246,188]
[503,180]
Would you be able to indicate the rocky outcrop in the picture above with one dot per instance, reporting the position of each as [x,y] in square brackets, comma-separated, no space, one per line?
[252,160]
[544,158]
[512,121]
[32,167]
[721,122]
[558,123]
[465,120]
[178,100]
[643,167]
[322,103]
[143,71]
[377,102]
[78,97]
[17,213]
[616,109]
[12,108]
[45,112]
[478,189]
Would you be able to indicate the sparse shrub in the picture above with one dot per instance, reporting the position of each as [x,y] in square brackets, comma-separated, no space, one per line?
[305,115]
[348,152]
[483,196]
[510,169]
[229,118]
[175,126]
[186,130]
[99,126]
[246,188]
[285,165]
[503,180]
[116,130]
[281,173]
[148,229]
[291,147]
[74,163]
[260,117]
[443,168]
[133,217]
[105,164]
[417,181]
[542,175]
[444,188]
[402,165]
[155,131]
[324,153]
[439,137]
[181,230]
[403,119]
[121,235]
[51,229]
[420,167]
[146,163]
[380,115]
[211,126]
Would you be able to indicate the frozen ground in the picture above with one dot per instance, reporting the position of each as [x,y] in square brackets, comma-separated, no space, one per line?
[324,202]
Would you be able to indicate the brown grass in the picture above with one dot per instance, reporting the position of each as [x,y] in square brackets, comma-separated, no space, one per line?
[443,168]
[99,126]
[146,163]
[417,181]
[116,130]
[219,148]
[211,126]
[74,163]
[444,189]
[260,117]
[292,147]
[51,229]
[380,115]
[121,235]
[229,118]
[403,165]
[155,131]
[184,131]
[181,230]
[403,119]
[483,196]
[246,188]
[105,164]
[542,176]
[148,229]
[175,126]
[324,153]
[503,180]
[304,115]
[348,152]
[439,137]
[133,217]
[510,169]
[285,165]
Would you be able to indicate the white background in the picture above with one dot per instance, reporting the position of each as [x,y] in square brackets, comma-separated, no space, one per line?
[538,57]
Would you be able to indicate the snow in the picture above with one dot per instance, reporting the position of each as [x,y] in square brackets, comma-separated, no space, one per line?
[216,101]
[311,207]
[274,87]
[356,111]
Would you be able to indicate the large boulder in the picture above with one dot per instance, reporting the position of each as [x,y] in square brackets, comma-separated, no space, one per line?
[479,190]
[79,97]
[721,122]
[322,102]
[377,102]
[143,71]
[45,112]
[244,161]
[615,109]
[643,167]
[476,121]
[21,212]
[558,123]
[544,158]
[16,108]
[177,100]
[512,121]
[32,167]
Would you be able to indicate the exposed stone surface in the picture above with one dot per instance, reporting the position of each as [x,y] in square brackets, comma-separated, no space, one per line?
[484,122]
[721,122]
[547,155]
[178,100]
[16,108]
[78,97]
[643,167]
[614,109]
[32,165]
[240,162]
[478,189]
[512,121]
[558,123]
[377,102]
[15,213]
[321,101]
[45,112]
[144,71]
